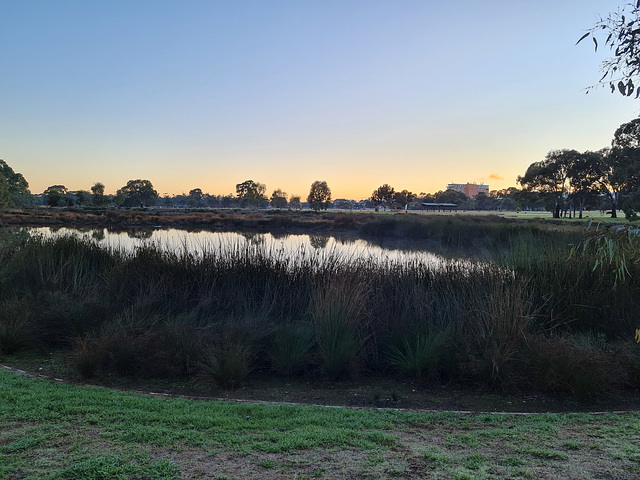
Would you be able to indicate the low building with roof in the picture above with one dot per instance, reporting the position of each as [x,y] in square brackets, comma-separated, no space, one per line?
[441,207]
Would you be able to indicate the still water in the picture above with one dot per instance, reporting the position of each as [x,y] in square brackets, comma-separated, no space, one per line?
[348,249]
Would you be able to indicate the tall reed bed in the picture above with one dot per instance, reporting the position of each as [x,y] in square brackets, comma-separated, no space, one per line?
[222,314]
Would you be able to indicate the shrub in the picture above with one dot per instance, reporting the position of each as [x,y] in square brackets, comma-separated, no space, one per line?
[227,363]
[338,313]
[291,349]
[14,326]
[560,365]
[86,356]
[630,363]
[345,220]
[60,317]
[420,355]
[123,350]
[497,332]
[177,348]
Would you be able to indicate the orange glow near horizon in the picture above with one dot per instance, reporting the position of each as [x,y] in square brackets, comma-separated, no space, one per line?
[285,93]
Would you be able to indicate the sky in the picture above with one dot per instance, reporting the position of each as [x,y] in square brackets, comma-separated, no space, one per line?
[210,93]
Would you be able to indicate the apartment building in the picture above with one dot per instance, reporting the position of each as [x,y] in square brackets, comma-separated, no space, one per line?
[471,190]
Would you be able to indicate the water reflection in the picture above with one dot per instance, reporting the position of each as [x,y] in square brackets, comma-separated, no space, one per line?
[254,238]
[140,233]
[98,234]
[275,244]
[318,242]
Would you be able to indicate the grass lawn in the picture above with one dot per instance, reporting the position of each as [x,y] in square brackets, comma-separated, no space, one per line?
[55,430]
[594,215]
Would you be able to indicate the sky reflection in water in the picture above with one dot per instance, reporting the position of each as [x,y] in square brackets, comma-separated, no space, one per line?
[280,245]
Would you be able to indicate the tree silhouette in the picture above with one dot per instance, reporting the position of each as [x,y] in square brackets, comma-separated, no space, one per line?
[319,195]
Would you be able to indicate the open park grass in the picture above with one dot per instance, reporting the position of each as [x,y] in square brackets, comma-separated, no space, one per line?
[260,219]
[59,431]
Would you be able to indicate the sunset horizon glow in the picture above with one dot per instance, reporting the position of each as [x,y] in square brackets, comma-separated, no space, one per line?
[209,94]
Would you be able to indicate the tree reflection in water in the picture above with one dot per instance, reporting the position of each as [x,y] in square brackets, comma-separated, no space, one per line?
[318,241]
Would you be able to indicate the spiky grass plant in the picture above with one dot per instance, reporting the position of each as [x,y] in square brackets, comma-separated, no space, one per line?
[498,330]
[124,354]
[227,363]
[560,365]
[340,320]
[357,309]
[86,356]
[292,346]
[176,349]
[15,325]
[418,355]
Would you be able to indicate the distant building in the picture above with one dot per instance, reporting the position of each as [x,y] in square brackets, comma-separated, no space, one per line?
[471,190]
[441,207]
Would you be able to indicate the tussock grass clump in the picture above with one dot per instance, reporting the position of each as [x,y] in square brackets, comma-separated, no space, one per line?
[292,348]
[66,263]
[124,353]
[568,365]
[86,356]
[227,363]
[498,330]
[338,313]
[176,349]
[15,326]
[419,356]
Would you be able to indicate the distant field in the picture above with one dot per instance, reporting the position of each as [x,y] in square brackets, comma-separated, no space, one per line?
[596,216]
[57,431]
[255,219]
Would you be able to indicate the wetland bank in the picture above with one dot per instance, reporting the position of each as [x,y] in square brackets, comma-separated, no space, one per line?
[529,325]
[532,316]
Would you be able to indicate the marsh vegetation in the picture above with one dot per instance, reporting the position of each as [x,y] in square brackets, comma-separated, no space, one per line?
[534,315]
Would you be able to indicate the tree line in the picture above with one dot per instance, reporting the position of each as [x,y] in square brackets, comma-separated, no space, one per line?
[14,192]
[566,182]
[573,181]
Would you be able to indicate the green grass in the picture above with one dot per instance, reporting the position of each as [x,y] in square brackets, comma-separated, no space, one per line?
[57,431]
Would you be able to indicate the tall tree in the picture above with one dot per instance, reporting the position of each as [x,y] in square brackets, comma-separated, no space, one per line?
[97,191]
[82,197]
[551,177]
[5,196]
[619,179]
[17,188]
[485,202]
[137,193]
[56,196]
[624,168]
[627,135]
[196,193]
[451,196]
[583,178]
[279,199]
[251,193]
[403,198]
[295,202]
[195,197]
[319,195]
[383,196]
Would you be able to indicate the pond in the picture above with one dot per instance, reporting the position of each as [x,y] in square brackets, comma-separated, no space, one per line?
[348,249]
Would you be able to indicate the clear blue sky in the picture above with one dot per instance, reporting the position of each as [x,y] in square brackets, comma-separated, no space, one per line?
[211,93]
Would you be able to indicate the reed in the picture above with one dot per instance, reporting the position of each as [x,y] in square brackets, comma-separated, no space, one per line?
[15,326]
[292,348]
[164,313]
